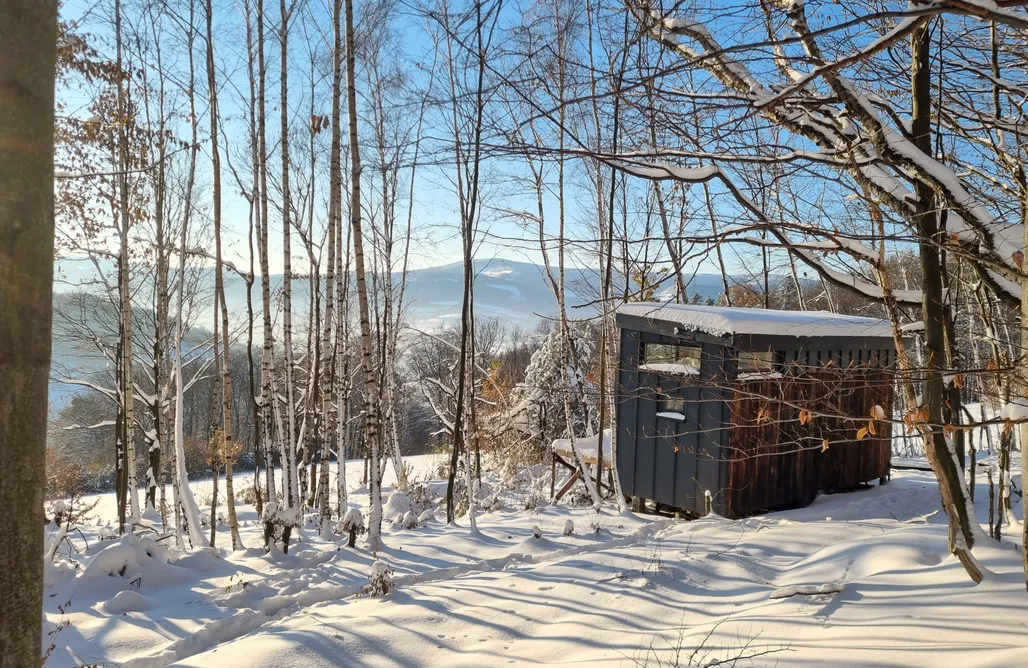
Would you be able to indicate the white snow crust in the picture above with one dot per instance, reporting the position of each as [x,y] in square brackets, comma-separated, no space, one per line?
[725,320]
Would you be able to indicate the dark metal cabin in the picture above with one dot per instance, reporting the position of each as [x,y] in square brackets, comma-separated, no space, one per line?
[759,408]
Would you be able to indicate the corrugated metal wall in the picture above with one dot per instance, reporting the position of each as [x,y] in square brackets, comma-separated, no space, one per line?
[748,468]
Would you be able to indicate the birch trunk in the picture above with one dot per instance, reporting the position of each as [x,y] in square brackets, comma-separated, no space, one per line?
[289,473]
[329,399]
[370,379]
[269,403]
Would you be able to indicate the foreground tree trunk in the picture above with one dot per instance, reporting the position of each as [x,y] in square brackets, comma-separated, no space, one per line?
[28,39]
[942,458]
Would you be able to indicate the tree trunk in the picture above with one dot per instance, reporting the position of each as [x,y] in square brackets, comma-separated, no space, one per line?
[329,398]
[124,289]
[227,440]
[28,38]
[289,473]
[940,455]
[367,360]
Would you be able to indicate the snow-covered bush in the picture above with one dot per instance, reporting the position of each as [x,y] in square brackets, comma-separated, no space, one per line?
[62,532]
[491,503]
[352,525]
[107,532]
[397,504]
[421,497]
[381,581]
[409,520]
[247,495]
[536,531]
[426,517]
[279,522]
[569,527]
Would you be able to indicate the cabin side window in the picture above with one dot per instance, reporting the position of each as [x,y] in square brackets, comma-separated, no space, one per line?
[762,361]
[668,404]
[664,353]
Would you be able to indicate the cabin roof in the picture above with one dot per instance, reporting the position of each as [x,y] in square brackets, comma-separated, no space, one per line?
[724,320]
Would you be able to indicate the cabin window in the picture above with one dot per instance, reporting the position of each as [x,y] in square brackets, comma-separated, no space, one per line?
[756,362]
[668,404]
[663,353]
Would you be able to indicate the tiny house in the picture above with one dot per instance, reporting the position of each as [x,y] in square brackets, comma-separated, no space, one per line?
[749,410]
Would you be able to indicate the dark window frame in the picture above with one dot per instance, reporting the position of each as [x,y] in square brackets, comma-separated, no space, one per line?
[676,357]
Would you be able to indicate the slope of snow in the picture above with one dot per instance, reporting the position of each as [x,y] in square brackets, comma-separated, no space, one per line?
[858,579]
[725,320]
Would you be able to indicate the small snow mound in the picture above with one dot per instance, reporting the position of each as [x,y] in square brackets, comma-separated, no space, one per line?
[410,521]
[569,527]
[397,504]
[127,601]
[808,590]
[151,514]
[426,517]
[130,554]
[537,533]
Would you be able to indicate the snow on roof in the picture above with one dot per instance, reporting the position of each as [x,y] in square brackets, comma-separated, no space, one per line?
[724,320]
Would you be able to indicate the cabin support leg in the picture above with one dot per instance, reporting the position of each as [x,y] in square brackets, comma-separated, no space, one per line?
[553,473]
[564,490]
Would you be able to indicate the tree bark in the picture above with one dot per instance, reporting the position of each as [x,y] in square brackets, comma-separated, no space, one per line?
[328,377]
[124,288]
[28,38]
[940,455]
[227,440]
[367,358]
[289,474]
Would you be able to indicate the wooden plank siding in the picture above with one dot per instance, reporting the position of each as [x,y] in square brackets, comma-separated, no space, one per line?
[779,462]
[718,447]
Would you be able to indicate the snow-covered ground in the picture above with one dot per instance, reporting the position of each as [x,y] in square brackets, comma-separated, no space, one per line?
[857,579]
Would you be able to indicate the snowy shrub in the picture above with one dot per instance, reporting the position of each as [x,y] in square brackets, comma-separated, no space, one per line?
[421,497]
[63,534]
[107,532]
[409,520]
[247,495]
[534,501]
[426,517]
[381,581]
[536,531]
[578,496]
[279,522]
[569,527]
[352,525]
[397,504]
[59,510]
[491,503]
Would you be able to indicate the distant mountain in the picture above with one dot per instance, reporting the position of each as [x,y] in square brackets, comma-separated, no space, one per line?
[517,292]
